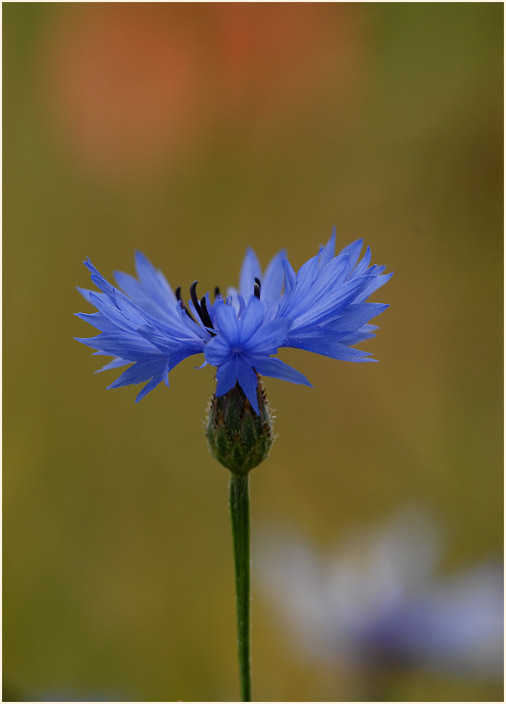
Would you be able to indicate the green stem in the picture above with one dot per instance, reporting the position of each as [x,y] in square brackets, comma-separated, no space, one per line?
[239,512]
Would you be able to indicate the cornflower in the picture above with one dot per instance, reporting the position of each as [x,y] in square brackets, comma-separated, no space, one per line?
[322,308]
[149,328]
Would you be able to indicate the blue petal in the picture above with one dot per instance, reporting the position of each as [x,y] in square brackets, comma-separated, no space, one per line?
[335,350]
[165,308]
[363,333]
[328,308]
[248,381]
[331,276]
[120,309]
[227,376]
[363,263]
[353,250]
[149,387]
[131,286]
[226,320]
[99,321]
[249,271]
[269,337]
[122,314]
[271,366]
[124,345]
[169,344]
[251,319]
[272,281]
[354,338]
[153,279]
[102,283]
[113,364]
[218,351]
[373,286]
[85,293]
[141,371]
[307,273]
[357,315]
[329,249]
[290,276]
[297,299]
[233,297]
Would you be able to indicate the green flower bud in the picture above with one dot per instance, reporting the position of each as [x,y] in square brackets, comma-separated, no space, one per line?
[238,437]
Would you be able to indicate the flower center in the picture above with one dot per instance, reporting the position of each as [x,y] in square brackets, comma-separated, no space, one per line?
[201,305]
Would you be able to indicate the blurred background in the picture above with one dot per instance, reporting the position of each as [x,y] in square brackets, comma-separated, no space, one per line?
[191,132]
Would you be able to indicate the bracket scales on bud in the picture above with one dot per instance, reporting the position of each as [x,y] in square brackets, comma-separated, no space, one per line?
[238,437]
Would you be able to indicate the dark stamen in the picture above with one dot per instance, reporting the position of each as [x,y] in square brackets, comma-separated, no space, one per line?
[256,289]
[206,318]
[183,305]
[216,291]
[201,307]
[195,298]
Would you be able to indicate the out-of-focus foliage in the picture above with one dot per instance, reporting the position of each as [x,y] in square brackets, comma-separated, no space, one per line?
[191,132]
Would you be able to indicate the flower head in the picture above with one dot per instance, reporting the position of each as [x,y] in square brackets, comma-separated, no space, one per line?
[322,308]
[237,436]
[377,600]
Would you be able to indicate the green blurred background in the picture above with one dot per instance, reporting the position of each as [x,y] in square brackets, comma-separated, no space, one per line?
[191,132]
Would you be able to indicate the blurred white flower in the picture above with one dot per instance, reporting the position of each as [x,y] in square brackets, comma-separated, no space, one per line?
[377,599]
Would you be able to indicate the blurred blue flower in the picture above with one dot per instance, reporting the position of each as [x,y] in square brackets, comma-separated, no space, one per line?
[322,308]
[378,601]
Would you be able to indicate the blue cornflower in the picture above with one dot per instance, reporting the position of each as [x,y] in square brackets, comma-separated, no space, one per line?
[322,308]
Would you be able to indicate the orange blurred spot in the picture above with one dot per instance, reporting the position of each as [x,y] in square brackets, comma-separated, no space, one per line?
[278,57]
[133,88]
[122,82]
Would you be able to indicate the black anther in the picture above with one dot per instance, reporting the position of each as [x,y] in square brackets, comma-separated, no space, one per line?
[194,297]
[200,306]
[183,304]
[256,288]
[205,317]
